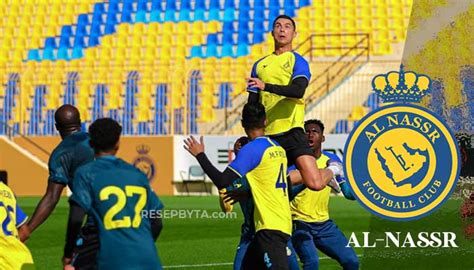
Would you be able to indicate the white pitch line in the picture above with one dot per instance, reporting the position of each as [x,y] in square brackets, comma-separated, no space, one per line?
[219,264]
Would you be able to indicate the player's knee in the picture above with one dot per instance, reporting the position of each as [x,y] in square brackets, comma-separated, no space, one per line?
[350,263]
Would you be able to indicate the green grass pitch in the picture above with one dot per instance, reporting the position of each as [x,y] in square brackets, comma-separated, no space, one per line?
[183,243]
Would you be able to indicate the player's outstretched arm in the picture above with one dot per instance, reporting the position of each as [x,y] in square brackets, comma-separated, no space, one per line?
[46,205]
[296,89]
[74,223]
[220,179]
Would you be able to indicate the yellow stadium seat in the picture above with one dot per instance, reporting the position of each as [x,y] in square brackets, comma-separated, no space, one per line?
[152,41]
[213,27]
[166,40]
[165,53]
[67,19]
[137,41]
[197,28]
[168,28]
[124,29]
[154,28]
[357,113]
[383,48]
[183,27]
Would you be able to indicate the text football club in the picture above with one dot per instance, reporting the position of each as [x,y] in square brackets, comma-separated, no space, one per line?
[402,160]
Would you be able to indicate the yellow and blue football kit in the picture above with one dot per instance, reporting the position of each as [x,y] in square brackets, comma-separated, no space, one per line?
[313,229]
[283,113]
[13,253]
[263,162]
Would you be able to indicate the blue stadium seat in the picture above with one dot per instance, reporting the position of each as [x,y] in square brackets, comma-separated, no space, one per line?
[141,16]
[128,7]
[170,15]
[341,126]
[184,15]
[79,42]
[142,5]
[96,29]
[243,38]
[113,7]
[77,53]
[274,4]
[83,19]
[156,5]
[214,4]
[126,16]
[200,4]
[63,53]
[242,50]
[304,3]
[48,54]
[155,16]
[373,101]
[81,30]
[112,18]
[93,40]
[66,31]
[99,8]
[199,15]
[50,43]
[229,4]
[64,42]
[109,28]
[228,38]
[258,36]
[171,4]
[229,15]
[196,51]
[34,55]
[258,4]
[228,27]
[97,18]
[227,50]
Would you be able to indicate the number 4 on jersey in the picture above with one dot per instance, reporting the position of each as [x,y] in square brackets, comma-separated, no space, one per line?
[281,181]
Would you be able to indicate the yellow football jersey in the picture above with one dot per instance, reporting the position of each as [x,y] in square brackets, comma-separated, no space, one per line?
[263,162]
[283,113]
[13,253]
[312,206]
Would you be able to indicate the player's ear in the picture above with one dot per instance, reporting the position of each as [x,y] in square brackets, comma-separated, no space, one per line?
[324,138]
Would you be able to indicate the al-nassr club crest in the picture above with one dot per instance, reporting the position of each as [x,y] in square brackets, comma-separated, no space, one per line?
[402,160]
[144,162]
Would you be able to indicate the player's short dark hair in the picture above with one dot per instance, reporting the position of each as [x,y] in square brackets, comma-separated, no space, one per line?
[4,177]
[315,122]
[253,115]
[283,16]
[104,134]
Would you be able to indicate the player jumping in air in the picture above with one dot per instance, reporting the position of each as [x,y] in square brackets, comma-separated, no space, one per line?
[73,152]
[14,254]
[263,162]
[119,198]
[312,227]
[279,81]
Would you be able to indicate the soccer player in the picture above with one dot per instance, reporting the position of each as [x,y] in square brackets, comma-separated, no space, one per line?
[13,253]
[248,227]
[279,81]
[119,198]
[71,153]
[312,226]
[263,162]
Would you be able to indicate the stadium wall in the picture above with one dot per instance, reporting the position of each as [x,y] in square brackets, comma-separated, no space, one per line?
[26,173]
[162,158]
[154,155]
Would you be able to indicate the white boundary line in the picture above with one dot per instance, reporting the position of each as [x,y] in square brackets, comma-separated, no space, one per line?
[223,264]
[25,152]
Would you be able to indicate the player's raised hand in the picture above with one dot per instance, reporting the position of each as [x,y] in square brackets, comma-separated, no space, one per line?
[193,146]
[255,83]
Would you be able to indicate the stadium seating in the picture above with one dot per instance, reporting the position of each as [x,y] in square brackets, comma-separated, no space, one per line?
[115,58]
